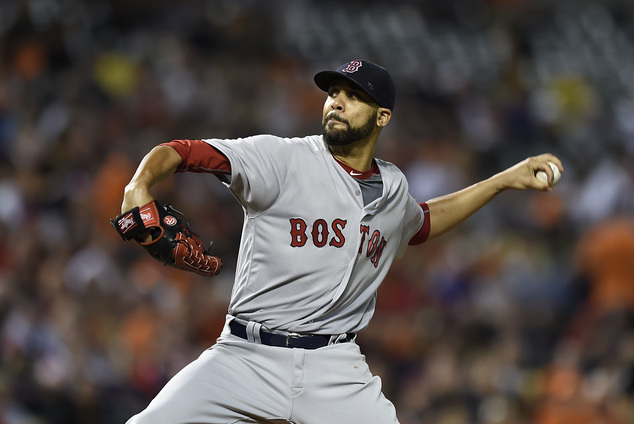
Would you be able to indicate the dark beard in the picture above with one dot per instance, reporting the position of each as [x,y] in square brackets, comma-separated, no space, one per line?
[349,135]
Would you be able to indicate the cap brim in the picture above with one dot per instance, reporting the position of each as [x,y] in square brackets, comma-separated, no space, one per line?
[325,79]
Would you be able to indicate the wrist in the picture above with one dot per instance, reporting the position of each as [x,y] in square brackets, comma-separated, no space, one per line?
[498,184]
[135,195]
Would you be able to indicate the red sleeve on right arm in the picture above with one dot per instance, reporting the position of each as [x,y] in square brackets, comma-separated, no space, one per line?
[198,156]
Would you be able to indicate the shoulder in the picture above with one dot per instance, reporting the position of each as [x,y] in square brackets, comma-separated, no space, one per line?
[389,169]
[314,142]
[267,150]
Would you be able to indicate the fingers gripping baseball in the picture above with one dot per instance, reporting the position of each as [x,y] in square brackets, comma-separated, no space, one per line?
[539,172]
[546,169]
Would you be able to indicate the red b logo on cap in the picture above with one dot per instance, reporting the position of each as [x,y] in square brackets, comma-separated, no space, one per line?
[353,66]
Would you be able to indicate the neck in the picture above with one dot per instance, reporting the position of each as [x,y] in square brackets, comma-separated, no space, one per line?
[357,155]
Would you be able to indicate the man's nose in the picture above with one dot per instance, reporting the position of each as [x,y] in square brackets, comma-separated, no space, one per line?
[337,103]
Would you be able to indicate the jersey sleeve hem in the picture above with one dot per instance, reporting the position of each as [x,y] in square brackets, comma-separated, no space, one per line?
[423,234]
[198,156]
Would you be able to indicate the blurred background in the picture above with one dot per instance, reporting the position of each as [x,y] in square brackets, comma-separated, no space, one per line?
[523,315]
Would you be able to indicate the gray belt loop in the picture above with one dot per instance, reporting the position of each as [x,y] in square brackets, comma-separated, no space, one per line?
[338,338]
[253,332]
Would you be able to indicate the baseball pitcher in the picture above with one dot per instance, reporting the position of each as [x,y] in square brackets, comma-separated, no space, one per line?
[323,221]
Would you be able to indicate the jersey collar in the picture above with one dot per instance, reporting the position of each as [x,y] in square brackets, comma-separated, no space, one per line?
[374,169]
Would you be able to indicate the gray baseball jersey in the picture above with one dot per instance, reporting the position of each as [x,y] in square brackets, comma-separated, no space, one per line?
[312,255]
[315,246]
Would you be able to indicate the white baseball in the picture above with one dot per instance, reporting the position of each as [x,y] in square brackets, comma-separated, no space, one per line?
[541,175]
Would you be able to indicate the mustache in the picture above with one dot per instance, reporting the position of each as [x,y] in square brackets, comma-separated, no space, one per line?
[336,117]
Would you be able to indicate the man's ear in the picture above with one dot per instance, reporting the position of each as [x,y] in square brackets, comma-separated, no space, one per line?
[383,116]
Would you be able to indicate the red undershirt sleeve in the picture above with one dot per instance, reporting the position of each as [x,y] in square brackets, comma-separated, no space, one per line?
[198,156]
[423,233]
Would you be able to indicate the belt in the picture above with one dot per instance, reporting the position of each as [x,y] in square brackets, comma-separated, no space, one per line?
[291,340]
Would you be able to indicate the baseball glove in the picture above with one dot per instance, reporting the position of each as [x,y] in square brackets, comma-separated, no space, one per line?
[171,242]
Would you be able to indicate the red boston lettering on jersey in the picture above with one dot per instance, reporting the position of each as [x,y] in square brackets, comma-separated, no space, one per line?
[320,233]
[337,226]
[372,243]
[375,247]
[353,66]
[365,230]
[298,232]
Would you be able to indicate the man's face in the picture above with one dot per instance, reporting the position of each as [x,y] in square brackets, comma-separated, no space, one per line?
[349,115]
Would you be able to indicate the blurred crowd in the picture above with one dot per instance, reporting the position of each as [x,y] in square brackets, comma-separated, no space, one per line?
[522,315]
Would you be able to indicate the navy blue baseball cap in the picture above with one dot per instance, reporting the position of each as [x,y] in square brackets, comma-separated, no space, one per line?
[370,77]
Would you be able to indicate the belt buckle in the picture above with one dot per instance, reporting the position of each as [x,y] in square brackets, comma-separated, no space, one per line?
[288,339]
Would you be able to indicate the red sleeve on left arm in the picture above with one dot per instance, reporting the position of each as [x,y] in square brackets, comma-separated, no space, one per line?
[423,233]
[198,156]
